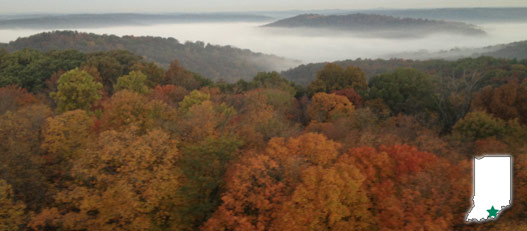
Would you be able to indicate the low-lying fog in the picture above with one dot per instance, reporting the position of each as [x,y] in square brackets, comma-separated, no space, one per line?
[324,46]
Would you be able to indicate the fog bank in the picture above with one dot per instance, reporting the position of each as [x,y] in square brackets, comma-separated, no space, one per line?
[317,47]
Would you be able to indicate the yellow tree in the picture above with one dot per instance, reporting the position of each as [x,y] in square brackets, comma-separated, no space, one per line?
[64,138]
[194,98]
[127,108]
[327,199]
[135,81]
[11,213]
[125,181]
[325,107]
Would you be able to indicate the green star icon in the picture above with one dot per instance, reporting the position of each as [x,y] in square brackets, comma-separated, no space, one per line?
[492,212]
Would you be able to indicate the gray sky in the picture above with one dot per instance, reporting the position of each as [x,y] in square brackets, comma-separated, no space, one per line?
[105,6]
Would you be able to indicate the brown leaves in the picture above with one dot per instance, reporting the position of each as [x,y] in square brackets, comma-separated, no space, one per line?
[13,97]
[506,102]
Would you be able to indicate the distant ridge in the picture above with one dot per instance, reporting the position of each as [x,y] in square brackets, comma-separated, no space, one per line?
[305,73]
[212,61]
[374,23]
[74,21]
[470,15]
[515,50]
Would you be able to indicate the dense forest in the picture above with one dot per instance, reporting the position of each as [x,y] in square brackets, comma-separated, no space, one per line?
[373,23]
[112,141]
[216,62]
[490,69]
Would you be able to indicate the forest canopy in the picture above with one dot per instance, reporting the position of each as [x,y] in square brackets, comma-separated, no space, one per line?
[112,141]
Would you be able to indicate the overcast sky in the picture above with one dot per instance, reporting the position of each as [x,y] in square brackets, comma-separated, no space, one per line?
[106,6]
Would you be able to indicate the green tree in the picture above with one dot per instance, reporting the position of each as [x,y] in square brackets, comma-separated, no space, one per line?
[156,74]
[111,65]
[334,77]
[204,165]
[30,69]
[134,81]
[480,125]
[194,98]
[404,91]
[76,90]
[179,76]
[271,80]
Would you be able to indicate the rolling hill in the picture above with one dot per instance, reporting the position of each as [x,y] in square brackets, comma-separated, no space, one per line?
[515,50]
[387,26]
[212,61]
[306,73]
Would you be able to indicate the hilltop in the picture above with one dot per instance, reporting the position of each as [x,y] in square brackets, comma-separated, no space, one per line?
[388,26]
[212,61]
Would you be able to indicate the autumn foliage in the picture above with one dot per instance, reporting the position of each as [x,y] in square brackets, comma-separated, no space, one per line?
[108,141]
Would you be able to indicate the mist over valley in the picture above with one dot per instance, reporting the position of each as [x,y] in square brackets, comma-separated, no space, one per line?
[450,33]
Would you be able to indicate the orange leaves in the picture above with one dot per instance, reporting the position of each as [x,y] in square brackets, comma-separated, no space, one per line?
[408,159]
[409,189]
[325,107]
[506,102]
[313,148]
[259,185]
[170,94]
[253,195]
[13,97]
[371,163]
